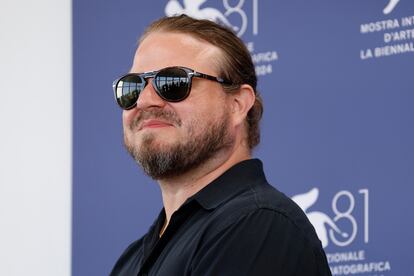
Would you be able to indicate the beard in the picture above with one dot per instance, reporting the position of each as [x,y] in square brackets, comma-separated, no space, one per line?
[166,161]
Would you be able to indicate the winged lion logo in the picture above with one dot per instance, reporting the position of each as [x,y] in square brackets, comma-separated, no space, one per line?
[319,220]
[193,8]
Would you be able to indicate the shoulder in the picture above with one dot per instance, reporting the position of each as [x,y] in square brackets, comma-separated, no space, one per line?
[263,208]
[131,255]
[269,198]
[264,225]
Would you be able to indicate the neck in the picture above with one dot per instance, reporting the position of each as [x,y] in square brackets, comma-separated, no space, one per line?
[175,191]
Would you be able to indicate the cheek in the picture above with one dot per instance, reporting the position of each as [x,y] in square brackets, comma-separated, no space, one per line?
[202,119]
[127,118]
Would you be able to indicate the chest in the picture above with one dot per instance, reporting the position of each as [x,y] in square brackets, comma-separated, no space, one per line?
[172,254]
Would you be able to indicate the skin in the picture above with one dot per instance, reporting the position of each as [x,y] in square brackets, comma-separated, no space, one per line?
[206,104]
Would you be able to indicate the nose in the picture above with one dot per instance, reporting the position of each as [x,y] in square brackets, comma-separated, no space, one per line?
[149,98]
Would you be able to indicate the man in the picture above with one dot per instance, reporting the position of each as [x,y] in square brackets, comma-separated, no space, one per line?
[191,119]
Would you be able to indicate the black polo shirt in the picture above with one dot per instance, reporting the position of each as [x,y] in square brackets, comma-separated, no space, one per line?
[236,225]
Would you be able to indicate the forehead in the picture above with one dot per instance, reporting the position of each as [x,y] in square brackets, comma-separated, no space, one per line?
[162,49]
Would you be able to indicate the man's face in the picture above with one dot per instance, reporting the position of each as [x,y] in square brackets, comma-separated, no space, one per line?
[168,139]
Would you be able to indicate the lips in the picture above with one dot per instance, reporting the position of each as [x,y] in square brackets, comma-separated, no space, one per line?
[154,124]
[154,118]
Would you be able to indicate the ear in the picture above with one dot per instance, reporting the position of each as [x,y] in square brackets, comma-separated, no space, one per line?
[241,103]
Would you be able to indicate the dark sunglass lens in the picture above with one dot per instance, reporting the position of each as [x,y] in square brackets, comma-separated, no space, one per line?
[173,84]
[127,90]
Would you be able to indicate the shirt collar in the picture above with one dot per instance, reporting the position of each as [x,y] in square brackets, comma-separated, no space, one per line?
[235,180]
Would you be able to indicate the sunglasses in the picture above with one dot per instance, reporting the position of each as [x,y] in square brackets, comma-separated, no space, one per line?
[172,84]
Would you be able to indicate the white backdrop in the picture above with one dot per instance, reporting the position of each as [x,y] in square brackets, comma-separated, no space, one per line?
[35,140]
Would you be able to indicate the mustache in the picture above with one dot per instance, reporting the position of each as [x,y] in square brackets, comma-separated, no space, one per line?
[156,113]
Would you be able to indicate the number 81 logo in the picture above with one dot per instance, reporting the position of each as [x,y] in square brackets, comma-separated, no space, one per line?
[342,229]
[346,216]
